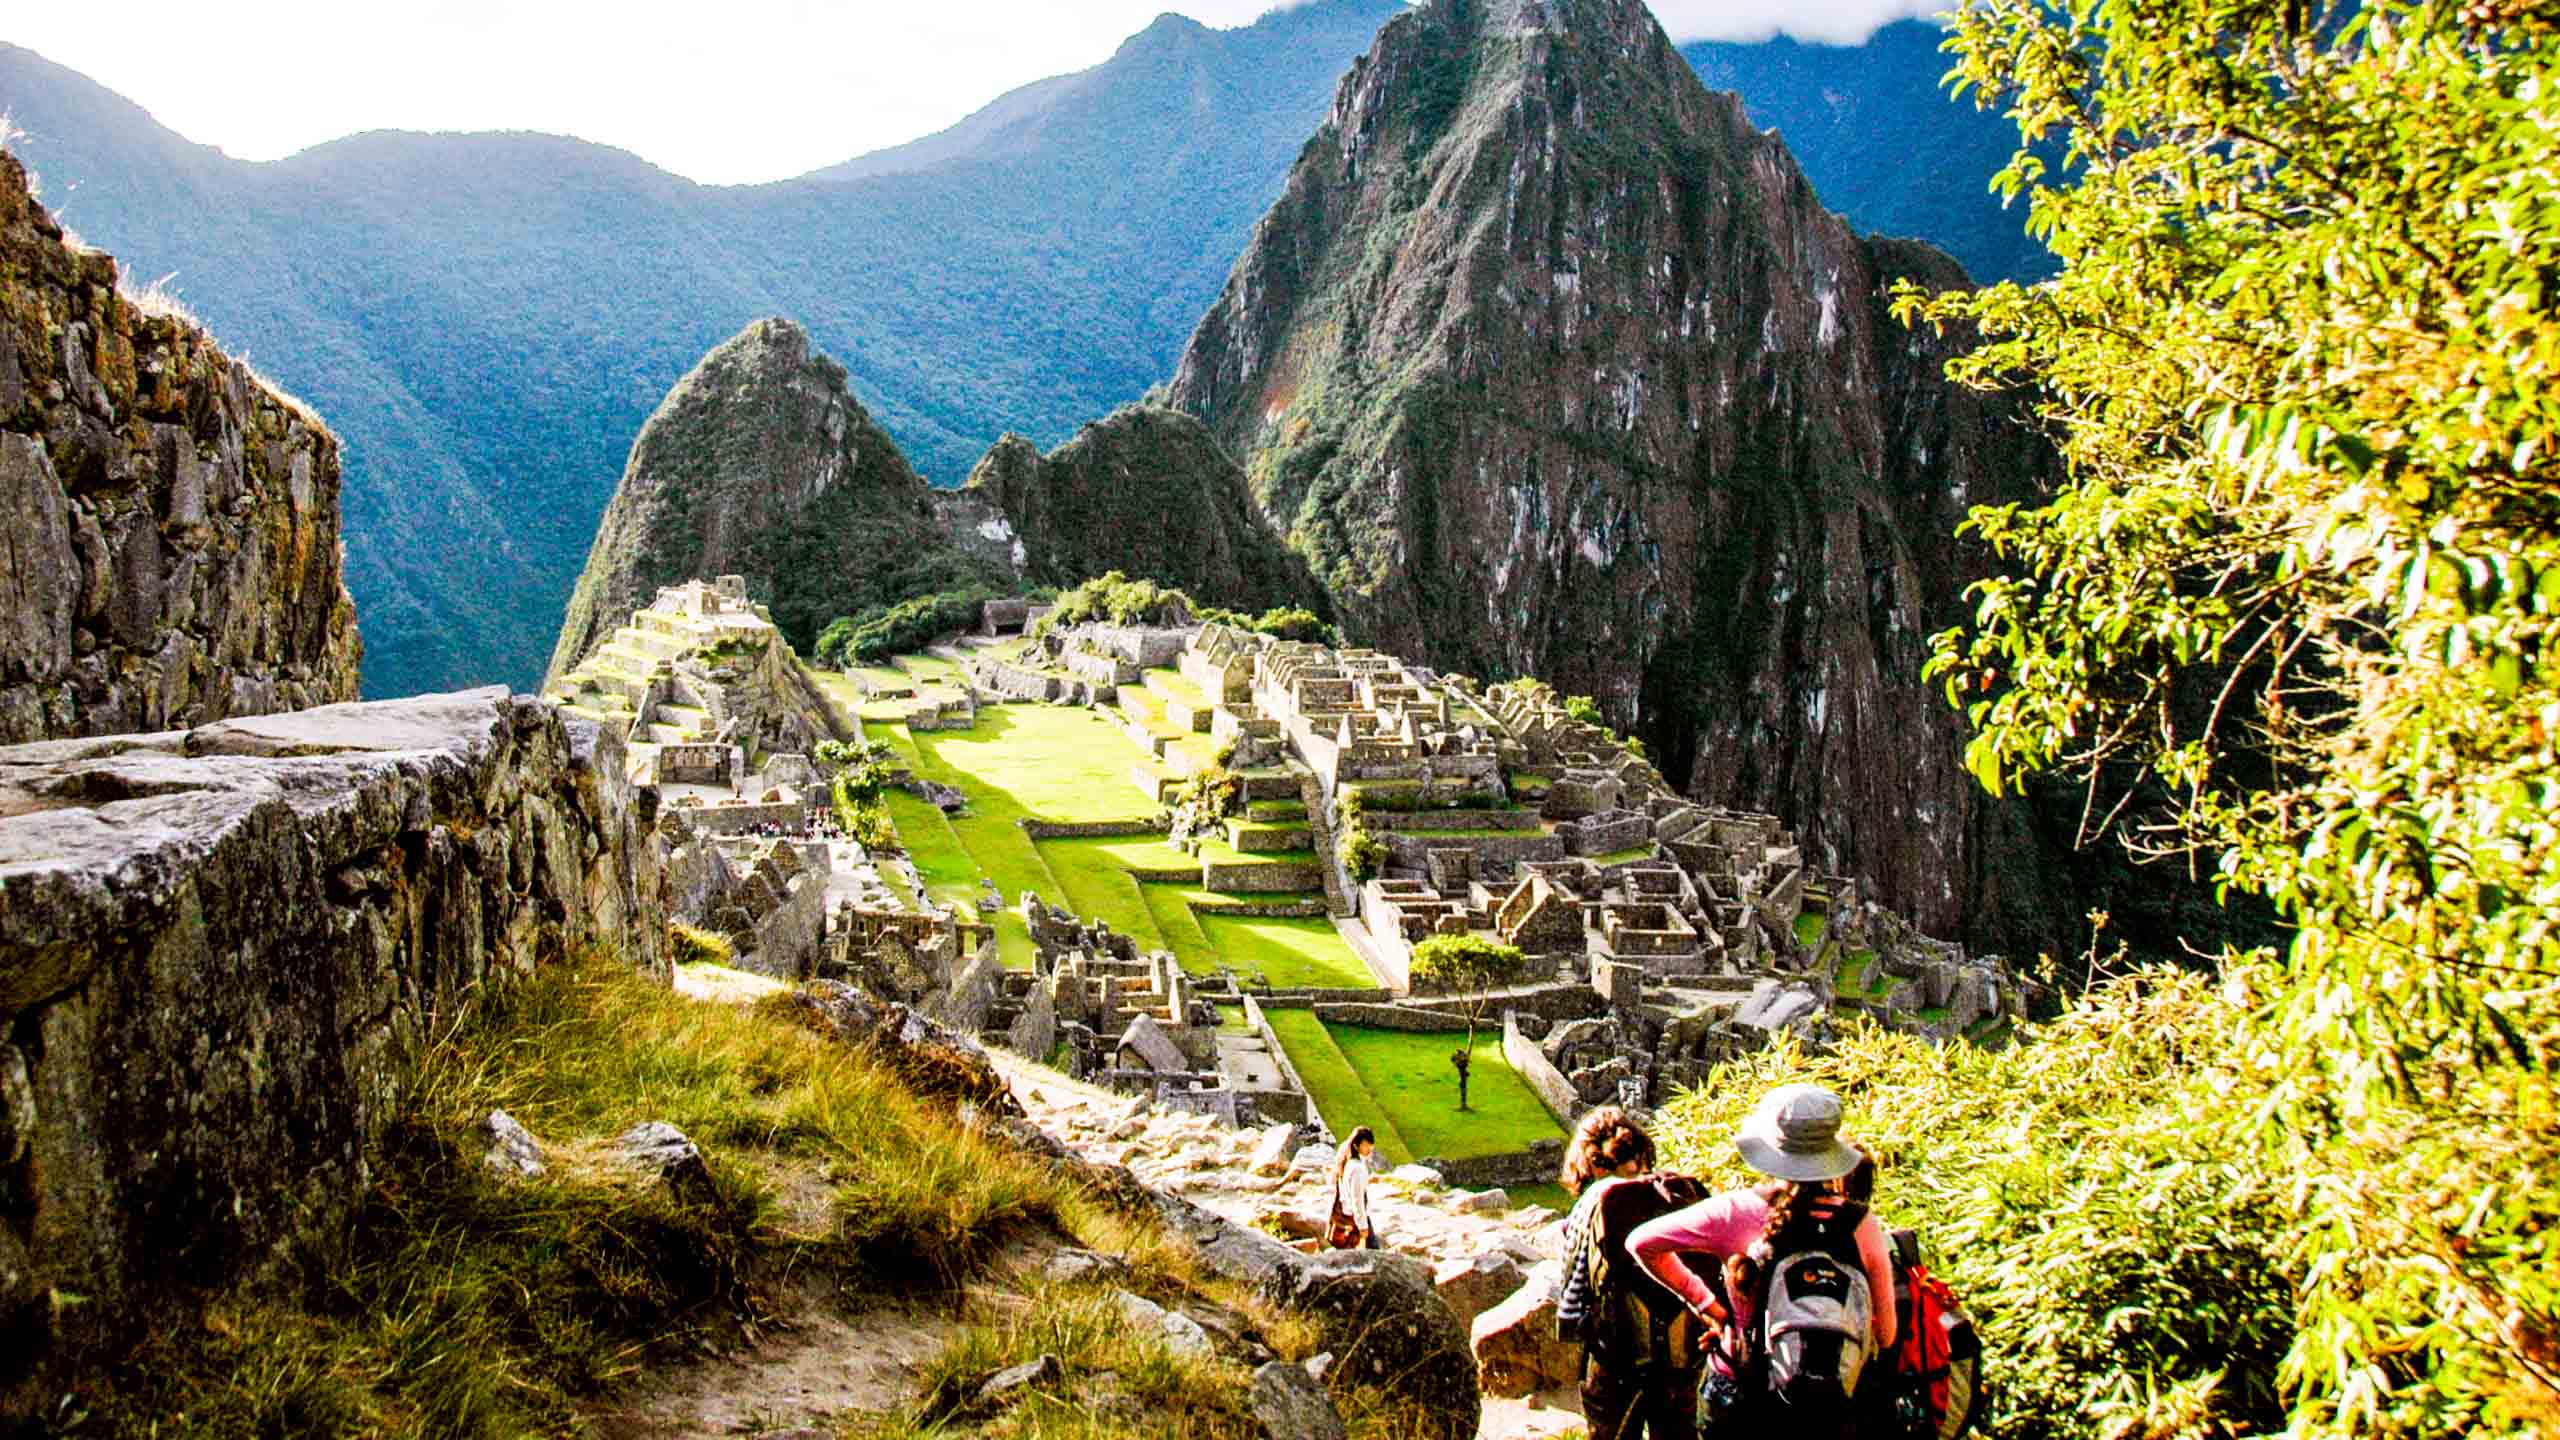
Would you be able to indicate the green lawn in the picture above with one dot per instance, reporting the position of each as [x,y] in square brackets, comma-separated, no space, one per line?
[1332,1084]
[1411,1075]
[1288,951]
[1809,927]
[1550,1194]
[1053,761]
[1170,905]
[1621,857]
[1098,888]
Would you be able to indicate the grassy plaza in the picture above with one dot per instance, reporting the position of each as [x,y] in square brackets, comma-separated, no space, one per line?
[1070,765]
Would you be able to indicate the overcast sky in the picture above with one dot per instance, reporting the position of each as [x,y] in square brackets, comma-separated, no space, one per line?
[730,91]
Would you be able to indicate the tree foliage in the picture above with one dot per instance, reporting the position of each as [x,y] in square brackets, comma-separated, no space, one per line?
[1471,967]
[2302,580]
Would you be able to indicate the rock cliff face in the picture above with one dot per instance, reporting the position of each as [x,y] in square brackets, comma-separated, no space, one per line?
[170,552]
[221,951]
[761,463]
[1550,363]
[1146,490]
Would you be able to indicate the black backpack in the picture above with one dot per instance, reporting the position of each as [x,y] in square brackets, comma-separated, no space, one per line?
[1633,1314]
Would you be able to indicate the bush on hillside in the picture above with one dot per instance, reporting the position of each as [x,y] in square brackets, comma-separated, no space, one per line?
[910,625]
[2293,610]
[1116,599]
[1362,853]
[2116,1236]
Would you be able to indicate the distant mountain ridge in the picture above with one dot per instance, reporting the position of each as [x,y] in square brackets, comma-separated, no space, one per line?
[488,319]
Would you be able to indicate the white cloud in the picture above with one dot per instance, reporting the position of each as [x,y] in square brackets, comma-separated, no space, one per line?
[1827,22]
[728,92]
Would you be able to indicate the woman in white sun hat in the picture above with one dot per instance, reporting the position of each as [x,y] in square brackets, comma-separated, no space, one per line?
[1791,1257]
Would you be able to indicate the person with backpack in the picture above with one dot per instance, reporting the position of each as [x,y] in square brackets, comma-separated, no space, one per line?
[1807,1275]
[1640,1346]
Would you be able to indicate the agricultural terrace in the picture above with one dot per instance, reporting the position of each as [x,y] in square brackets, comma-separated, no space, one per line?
[1072,765]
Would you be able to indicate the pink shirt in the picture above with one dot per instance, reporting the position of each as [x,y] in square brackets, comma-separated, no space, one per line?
[1728,1224]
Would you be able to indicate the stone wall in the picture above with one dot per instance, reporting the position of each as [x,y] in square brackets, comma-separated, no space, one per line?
[1261,875]
[221,952]
[171,553]
[1551,1002]
[1497,851]
[1392,1017]
[1089,829]
[1260,1024]
[1262,909]
[1540,1164]
[1532,1065]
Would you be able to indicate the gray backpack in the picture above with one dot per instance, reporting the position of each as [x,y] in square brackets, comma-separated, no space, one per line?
[1816,1311]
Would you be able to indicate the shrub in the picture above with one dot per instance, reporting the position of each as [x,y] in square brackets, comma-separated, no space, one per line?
[910,625]
[1362,853]
[1116,599]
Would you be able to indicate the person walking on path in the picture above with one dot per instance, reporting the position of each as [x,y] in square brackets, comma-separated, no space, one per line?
[1773,1245]
[1640,1345]
[1351,1167]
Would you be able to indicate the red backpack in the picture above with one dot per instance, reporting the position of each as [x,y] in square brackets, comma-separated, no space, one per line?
[1936,1360]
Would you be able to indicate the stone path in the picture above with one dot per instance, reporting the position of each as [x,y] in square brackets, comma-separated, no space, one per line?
[820,1365]
[1210,1166]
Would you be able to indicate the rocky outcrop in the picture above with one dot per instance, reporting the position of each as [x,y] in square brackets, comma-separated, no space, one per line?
[222,951]
[1376,1311]
[1147,491]
[1552,364]
[761,463]
[169,551]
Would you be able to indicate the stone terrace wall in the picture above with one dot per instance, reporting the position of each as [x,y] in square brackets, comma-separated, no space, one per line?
[1532,1065]
[220,954]
[169,551]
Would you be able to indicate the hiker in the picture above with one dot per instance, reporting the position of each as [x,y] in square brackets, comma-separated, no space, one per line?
[1640,1345]
[1350,1227]
[1806,1275]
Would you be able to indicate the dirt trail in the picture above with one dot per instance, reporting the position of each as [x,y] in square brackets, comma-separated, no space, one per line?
[818,1365]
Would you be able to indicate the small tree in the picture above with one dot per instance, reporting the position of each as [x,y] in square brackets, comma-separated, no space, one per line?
[1470,967]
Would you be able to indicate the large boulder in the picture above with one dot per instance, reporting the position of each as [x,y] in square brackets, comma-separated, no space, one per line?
[1387,1327]
[1517,1350]
[1473,1284]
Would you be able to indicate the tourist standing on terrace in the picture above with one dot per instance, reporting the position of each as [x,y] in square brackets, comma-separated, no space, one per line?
[1641,1348]
[1801,1229]
[1351,1191]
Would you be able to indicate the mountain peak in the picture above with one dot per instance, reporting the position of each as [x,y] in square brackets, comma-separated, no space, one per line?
[1553,365]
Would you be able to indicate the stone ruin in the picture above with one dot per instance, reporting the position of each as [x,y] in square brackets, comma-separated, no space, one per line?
[1128,1020]
[699,671]
[1694,931]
